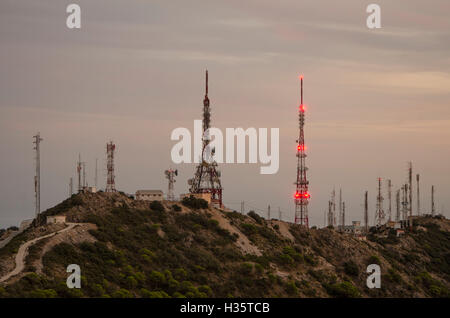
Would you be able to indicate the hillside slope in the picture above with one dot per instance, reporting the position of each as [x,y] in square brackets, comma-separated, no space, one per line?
[132,248]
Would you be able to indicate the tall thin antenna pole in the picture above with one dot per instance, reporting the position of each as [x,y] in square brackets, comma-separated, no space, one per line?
[96,173]
[432,201]
[302,195]
[340,208]
[170,175]
[84,175]
[366,212]
[390,199]
[79,173]
[37,177]
[418,194]
[397,200]
[268,212]
[410,188]
[279,214]
[70,186]
[343,216]
[110,181]
[379,215]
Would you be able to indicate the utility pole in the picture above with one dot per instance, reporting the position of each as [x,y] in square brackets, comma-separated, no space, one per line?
[37,178]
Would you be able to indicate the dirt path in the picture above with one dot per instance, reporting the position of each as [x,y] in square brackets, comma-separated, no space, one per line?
[23,251]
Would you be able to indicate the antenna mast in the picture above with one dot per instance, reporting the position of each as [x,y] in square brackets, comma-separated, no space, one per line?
[37,178]
[379,214]
[418,194]
[207,175]
[302,195]
[170,175]
[110,181]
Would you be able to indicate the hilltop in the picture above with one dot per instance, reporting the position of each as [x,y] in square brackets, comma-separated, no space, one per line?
[129,248]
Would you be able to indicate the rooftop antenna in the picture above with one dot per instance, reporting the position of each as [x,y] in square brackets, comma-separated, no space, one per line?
[37,178]
[302,196]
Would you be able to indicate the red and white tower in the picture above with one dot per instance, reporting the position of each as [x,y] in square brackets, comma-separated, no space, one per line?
[110,182]
[302,196]
[207,175]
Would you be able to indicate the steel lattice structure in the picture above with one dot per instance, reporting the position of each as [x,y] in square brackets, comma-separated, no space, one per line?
[110,179]
[302,195]
[207,175]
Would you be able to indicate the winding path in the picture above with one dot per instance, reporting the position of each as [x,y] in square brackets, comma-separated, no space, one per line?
[23,251]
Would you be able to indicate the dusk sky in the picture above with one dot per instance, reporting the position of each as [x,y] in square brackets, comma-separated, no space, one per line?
[376,98]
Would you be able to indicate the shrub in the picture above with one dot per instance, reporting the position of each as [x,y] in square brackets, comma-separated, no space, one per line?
[194,203]
[176,208]
[374,260]
[344,290]
[350,268]
[157,206]
[256,217]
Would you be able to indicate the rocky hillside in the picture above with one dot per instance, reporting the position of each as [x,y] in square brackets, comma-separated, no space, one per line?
[127,248]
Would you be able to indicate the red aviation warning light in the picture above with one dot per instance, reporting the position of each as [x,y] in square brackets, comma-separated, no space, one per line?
[299,195]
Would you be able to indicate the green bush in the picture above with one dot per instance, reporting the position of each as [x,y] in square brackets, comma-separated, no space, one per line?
[157,206]
[350,268]
[342,290]
[194,203]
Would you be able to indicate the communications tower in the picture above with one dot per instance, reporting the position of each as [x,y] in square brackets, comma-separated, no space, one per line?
[170,175]
[379,214]
[302,196]
[207,175]
[110,180]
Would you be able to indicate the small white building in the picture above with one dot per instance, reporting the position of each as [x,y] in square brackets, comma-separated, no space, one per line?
[56,219]
[149,195]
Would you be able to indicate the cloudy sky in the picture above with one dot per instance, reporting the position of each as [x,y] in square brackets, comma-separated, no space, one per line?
[376,99]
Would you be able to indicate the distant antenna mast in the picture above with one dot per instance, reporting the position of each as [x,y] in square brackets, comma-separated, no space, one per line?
[432,201]
[390,199]
[302,196]
[37,178]
[79,167]
[410,187]
[70,186]
[418,194]
[397,200]
[170,175]
[340,208]
[366,212]
[84,175]
[268,212]
[379,214]
[110,179]
[343,216]
[96,173]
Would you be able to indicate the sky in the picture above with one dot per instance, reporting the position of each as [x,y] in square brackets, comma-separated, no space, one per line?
[376,98]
